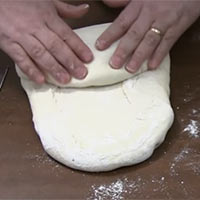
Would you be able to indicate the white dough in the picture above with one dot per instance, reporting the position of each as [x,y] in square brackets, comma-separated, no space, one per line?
[103,128]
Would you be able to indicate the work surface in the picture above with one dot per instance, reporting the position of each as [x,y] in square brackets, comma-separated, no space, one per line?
[173,172]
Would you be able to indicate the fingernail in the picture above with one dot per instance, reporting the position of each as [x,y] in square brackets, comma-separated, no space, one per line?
[62,77]
[80,72]
[86,6]
[65,78]
[88,57]
[132,68]
[100,44]
[115,62]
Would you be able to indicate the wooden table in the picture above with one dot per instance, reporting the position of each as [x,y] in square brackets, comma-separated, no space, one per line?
[173,172]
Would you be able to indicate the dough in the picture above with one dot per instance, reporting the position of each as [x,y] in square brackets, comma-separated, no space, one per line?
[105,75]
[103,128]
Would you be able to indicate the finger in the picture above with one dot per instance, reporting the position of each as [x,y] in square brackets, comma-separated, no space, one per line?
[66,10]
[116,4]
[164,47]
[62,53]
[168,40]
[66,34]
[130,41]
[119,26]
[19,56]
[44,60]
[143,51]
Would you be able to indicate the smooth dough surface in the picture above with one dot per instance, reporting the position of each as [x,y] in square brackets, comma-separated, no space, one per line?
[103,128]
[104,75]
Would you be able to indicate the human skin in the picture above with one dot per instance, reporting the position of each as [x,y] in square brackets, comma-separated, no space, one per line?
[34,35]
[133,27]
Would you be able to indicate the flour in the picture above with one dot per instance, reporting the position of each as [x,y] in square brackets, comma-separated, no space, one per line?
[193,128]
[119,189]
[190,158]
[115,190]
[182,155]
[42,159]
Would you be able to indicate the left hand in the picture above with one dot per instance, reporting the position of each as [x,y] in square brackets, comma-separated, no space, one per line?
[138,40]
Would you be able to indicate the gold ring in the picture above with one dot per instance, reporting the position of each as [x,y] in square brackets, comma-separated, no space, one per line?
[155,30]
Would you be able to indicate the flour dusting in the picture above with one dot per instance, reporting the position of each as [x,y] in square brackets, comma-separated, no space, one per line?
[42,159]
[122,188]
[115,190]
[190,158]
[182,155]
[193,129]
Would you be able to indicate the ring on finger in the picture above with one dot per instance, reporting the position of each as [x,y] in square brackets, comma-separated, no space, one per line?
[155,30]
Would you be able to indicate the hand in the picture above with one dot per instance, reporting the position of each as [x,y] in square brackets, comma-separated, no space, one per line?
[139,41]
[116,3]
[34,35]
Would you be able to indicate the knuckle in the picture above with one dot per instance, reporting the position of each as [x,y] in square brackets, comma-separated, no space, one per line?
[138,56]
[169,37]
[54,46]
[123,23]
[31,71]
[20,57]
[134,34]
[65,34]
[52,68]
[35,28]
[178,15]
[67,62]
[37,51]
[122,53]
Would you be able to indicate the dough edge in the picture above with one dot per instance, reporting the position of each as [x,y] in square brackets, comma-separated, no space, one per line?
[86,162]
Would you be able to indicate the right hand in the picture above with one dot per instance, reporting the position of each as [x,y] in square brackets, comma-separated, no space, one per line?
[35,36]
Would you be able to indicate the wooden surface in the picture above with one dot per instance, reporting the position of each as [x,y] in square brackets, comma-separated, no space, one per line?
[173,172]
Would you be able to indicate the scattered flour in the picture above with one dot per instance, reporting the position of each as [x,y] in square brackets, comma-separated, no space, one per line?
[194,111]
[116,190]
[195,166]
[122,188]
[193,129]
[119,189]
[190,158]
[113,191]
[182,155]
[42,159]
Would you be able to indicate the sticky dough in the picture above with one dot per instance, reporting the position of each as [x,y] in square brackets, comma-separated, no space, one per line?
[107,127]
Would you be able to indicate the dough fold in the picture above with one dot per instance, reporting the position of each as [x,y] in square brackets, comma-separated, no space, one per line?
[99,71]
[103,128]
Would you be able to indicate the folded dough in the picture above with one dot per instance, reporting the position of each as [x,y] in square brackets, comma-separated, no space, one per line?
[107,127]
[99,72]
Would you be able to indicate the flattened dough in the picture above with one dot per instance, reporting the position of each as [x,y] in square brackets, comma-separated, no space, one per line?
[103,128]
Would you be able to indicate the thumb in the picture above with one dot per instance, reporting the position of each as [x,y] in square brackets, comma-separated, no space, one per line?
[66,10]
